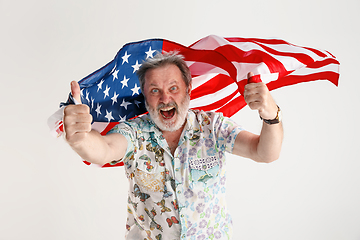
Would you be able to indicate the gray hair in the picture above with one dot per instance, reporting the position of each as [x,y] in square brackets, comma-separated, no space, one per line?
[162,59]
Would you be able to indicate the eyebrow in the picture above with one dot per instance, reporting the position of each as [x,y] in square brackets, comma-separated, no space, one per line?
[171,83]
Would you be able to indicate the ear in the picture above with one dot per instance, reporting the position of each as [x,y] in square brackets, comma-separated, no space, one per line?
[189,89]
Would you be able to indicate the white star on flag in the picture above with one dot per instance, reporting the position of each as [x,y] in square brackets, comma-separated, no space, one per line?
[109,116]
[92,102]
[149,54]
[135,90]
[122,119]
[87,96]
[125,104]
[137,103]
[114,98]
[100,84]
[124,82]
[125,58]
[115,74]
[106,91]
[98,109]
[136,66]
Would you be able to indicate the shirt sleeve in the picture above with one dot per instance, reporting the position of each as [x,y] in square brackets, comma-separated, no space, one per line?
[128,132]
[226,131]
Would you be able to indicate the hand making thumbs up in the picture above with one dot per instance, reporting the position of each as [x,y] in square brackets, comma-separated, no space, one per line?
[77,118]
[258,97]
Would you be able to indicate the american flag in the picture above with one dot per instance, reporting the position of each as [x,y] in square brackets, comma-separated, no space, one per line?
[219,67]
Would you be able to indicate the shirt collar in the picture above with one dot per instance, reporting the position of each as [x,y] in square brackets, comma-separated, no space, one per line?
[191,124]
[149,125]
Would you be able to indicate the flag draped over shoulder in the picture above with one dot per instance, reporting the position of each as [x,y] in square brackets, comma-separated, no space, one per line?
[219,68]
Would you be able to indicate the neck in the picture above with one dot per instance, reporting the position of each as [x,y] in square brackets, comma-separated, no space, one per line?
[172,138]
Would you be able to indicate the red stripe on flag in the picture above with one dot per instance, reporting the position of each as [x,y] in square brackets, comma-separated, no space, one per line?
[109,127]
[295,79]
[235,54]
[322,63]
[215,105]
[107,164]
[114,165]
[275,42]
[204,56]
[257,40]
[233,106]
[214,84]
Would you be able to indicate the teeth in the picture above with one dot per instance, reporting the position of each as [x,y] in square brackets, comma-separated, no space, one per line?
[166,109]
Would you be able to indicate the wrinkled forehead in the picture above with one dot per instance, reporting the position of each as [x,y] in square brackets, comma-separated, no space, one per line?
[165,75]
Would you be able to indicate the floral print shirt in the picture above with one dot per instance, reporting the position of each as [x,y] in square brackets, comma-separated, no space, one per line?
[180,196]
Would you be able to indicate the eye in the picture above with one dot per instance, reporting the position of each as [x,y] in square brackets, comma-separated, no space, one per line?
[173,88]
[154,90]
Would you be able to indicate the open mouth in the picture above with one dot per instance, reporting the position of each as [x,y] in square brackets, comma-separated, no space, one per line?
[167,113]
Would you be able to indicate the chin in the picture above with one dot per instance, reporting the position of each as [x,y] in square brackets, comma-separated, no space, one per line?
[170,125]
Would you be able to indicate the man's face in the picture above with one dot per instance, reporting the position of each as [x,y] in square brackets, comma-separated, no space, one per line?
[167,98]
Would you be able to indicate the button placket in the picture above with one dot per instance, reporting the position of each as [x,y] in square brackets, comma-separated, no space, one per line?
[180,190]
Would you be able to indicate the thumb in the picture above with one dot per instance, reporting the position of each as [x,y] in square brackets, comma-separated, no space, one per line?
[252,78]
[75,92]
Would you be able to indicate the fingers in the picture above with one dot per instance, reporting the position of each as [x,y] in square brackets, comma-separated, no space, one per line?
[253,91]
[77,122]
[75,91]
[258,97]
[255,95]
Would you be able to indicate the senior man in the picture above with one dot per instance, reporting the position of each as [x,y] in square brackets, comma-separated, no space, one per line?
[175,157]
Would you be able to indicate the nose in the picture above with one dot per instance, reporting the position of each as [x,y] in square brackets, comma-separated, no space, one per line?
[165,97]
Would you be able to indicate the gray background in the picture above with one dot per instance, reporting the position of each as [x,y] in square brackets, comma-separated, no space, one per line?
[46,192]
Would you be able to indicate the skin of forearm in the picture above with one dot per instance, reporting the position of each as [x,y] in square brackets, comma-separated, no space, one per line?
[93,148]
[270,142]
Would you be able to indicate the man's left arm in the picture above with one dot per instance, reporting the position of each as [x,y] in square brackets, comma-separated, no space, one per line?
[266,146]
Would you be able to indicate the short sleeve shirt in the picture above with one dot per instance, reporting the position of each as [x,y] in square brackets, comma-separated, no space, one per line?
[180,196]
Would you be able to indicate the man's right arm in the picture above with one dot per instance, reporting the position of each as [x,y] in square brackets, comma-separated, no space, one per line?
[89,144]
